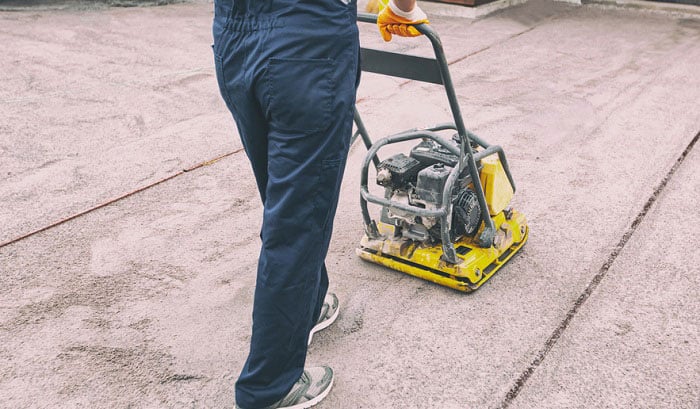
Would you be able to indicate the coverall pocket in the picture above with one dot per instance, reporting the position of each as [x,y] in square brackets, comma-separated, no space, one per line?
[300,94]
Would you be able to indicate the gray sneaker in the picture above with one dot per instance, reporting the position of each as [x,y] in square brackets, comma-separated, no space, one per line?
[329,313]
[310,389]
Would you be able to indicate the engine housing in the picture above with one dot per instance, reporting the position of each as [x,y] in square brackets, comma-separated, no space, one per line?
[419,180]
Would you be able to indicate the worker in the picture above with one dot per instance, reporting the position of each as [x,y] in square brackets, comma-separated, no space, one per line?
[288,71]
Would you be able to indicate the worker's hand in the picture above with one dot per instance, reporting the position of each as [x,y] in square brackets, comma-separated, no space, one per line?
[375,6]
[393,20]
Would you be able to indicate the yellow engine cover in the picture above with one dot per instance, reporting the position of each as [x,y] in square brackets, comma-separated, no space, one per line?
[476,264]
[497,189]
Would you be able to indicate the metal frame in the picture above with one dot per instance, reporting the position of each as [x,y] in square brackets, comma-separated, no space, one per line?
[433,71]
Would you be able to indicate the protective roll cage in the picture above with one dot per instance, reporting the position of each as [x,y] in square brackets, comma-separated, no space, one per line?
[433,71]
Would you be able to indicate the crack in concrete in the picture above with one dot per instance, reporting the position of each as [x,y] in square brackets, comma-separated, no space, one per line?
[602,272]
[479,51]
[118,198]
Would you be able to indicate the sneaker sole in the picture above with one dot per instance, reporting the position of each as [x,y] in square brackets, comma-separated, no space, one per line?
[325,324]
[315,400]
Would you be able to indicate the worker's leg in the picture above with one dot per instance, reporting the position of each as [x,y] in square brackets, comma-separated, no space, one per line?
[304,80]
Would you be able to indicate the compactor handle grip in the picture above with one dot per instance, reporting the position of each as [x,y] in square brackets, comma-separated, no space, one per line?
[422,28]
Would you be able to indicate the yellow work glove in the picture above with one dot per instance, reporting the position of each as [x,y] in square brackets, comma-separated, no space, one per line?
[393,20]
[375,6]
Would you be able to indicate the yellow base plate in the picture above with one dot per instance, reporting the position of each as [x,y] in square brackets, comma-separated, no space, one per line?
[476,264]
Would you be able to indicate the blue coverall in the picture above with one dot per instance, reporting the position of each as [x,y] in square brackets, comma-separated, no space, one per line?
[288,72]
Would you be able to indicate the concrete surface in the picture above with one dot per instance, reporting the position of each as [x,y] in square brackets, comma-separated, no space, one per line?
[146,302]
[635,343]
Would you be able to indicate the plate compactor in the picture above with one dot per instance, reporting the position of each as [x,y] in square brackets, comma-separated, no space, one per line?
[445,212]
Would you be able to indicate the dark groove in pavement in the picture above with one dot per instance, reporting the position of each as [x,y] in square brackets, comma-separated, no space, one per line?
[481,50]
[516,35]
[564,324]
[118,198]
